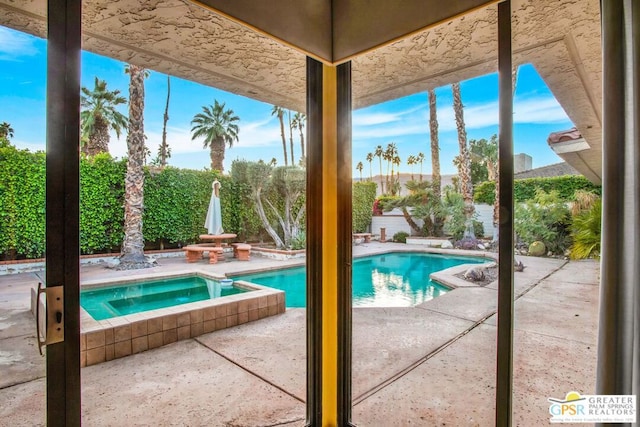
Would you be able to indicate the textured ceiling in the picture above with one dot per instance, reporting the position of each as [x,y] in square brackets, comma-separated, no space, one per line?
[336,30]
[561,38]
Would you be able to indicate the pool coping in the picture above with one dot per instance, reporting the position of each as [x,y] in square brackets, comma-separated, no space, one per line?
[446,277]
[104,340]
[108,339]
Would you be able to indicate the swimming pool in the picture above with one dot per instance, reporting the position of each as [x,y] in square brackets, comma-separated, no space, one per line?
[399,279]
[121,300]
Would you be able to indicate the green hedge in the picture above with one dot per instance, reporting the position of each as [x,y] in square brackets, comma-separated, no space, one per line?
[176,202]
[101,204]
[525,189]
[364,194]
[22,202]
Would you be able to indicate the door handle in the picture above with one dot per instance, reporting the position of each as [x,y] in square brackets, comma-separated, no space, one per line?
[54,318]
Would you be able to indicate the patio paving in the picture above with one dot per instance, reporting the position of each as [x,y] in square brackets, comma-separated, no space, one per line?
[433,364]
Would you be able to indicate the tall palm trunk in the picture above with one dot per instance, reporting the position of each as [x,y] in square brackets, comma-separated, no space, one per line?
[301,128]
[435,147]
[381,184]
[133,245]
[164,149]
[284,140]
[436,179]
[464,167]
[293,162]
[217,149]
[99,139]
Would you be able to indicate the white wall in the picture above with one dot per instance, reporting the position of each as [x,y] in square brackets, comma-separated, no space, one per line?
[485,216]
[394,221]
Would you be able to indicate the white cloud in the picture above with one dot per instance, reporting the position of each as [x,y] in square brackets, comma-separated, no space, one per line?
[254,134]
[14,45]
[537,110]
[31,146]
[361,118]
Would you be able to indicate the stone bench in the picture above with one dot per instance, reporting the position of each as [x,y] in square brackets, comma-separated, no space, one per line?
[242,251]
[365,236]
[195,253]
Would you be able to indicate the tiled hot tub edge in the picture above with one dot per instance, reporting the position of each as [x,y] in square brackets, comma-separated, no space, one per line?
[110,339]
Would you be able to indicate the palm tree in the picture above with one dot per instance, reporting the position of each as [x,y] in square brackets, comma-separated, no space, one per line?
[359,168]
[396,185]
[464,165]
[411,161]
[370,160]
[378,153]
[218,127]
[386,155]
[132,255]
[164,152]
[435,145]
[6,131]
[98,116]
[279,112]
[298,123]
[293,162]
[420,159]
[390,155]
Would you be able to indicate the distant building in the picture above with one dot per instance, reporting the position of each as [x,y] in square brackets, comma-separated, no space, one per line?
[522,162]
[406,177]
[557,169]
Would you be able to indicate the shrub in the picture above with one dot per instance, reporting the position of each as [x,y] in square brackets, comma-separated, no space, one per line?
[363,197]
[585,231]
[525,189]
[386,203]
[400,237]
[545,218]
[455,222]
[299,241]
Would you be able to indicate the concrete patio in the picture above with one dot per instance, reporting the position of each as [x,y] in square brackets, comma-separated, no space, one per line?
[433,364]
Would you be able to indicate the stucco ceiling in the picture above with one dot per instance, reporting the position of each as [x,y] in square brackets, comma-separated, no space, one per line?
[561,38]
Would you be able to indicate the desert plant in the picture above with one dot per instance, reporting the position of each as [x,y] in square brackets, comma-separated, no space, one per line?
[299,241]
[537,248]
[583,201]
[586,232]
[400,237]
[545,218]
[454,224]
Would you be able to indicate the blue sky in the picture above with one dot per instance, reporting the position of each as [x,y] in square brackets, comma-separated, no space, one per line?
[403,121]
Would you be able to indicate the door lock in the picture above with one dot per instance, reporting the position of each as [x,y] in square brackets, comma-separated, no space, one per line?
[54,320]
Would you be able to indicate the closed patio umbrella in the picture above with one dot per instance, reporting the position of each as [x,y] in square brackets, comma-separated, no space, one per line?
[213,222]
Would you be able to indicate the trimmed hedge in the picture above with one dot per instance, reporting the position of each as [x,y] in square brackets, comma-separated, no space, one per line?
[22,202]
[101,203]
[525,189]
[363,196]
[176,202]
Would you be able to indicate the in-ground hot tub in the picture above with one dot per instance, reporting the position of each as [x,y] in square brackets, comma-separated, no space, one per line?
[171,313]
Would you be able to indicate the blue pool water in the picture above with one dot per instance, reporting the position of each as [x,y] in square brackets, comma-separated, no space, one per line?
[398,279]
[120,300]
